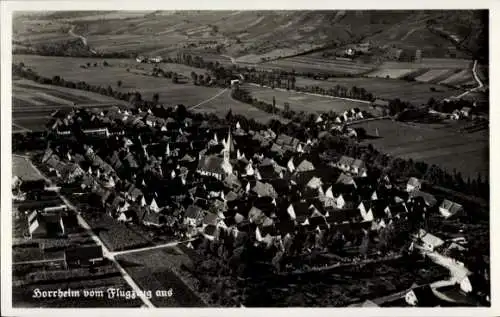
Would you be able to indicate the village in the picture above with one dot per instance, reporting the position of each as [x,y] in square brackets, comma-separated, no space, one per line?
[142,178]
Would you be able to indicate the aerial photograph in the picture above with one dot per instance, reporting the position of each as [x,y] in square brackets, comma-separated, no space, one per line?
[302,158]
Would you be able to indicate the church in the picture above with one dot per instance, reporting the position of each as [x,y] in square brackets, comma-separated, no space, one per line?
[217,165]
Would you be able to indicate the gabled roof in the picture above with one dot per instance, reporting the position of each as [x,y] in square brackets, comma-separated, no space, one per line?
[210,230]
[451,206]
[284,227]
[346,160]
[304,166]
[429,238]
[429,199]
[413,181]
[193,212]
[338,216]
[264,189]
[211,163]
[210,219]
[345,179]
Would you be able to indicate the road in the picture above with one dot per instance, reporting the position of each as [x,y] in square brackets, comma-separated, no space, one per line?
[160,246]
[84,39]
[98,241]
[478,80]
[209,99]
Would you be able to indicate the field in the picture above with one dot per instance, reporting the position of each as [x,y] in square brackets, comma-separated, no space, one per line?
[32,103]
[440,145]
[303,102]
[390,73]
[317,64]
[450,71]
[415,92]
[249,35]
[152,271]
[204,99]
[22,169]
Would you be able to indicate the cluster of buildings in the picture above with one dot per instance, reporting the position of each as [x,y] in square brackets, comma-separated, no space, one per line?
[161,169]
[150,60]
[222,178]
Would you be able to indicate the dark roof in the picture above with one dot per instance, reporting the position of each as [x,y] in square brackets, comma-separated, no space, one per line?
[285,227]
[338,216]
[193,212]
[210,230]
[84,253]
[211,163]
[425,296]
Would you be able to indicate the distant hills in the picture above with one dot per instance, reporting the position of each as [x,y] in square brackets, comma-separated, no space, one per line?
[256,33]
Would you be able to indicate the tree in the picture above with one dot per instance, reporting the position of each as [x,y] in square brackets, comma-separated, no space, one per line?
[365,243]
[274,104]
[174,78]
[105,63]
[287,107]
[229,115]
[156,97]
[88,64]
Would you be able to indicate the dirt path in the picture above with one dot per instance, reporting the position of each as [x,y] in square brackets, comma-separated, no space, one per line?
[166,245]
[209,99]
[84,39]
[478,80]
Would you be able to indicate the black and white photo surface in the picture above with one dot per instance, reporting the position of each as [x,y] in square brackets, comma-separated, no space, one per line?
[249,158]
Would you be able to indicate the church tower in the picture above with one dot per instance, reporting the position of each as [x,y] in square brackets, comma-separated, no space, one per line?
[226,165]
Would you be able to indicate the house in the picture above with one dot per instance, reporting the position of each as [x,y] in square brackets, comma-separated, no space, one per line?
[428,241]
[345,179]
[211,165]
[421,296]
[153,219]
[210,232]
[299,211]
[379,104]
[266,234]
[351,165]
[449,208]
[305,166]
[264,190]
[476,286]
[413,184]
[32,185]
[429,199]
[83,255]
[45,225]
[465,112]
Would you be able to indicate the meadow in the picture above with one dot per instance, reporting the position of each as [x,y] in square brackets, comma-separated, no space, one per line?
[415,92]
[152,270]
[438,144]
[302,101]
[22,169]
[203,99]
[318,64]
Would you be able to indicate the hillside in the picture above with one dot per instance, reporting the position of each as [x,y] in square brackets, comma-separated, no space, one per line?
[255,34]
